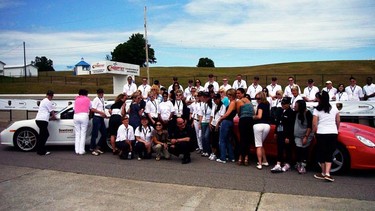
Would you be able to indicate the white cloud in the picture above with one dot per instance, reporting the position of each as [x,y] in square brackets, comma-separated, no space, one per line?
[64,48]
[10,3]
[263,24]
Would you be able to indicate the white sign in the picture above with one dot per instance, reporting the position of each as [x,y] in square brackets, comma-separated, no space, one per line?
[114,68]
[351,108]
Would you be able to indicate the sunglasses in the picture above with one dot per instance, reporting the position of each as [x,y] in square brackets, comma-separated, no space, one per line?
[158,124]
[257,98]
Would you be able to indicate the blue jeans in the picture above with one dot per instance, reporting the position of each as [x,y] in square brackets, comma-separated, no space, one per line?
[98,125]
[224,140]
[206,138]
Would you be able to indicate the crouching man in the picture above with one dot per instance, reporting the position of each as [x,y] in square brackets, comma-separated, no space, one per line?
[125,139]
[182,140]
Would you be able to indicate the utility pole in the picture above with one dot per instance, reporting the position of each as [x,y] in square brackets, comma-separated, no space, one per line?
[24,58]
[146,47]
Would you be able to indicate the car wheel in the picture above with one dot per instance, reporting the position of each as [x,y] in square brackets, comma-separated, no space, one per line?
[25,139]
[340,162]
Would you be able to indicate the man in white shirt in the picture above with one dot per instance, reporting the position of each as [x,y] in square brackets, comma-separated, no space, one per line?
[98,124]
[254,88]
[310,91]
[273,88]
[330,90]
[144,88]
[369,90]
[212,81]
[187,92]
[151,108]
[239,83]
[225,85]
[354,92]
[288,91]
[125,138]
[130,87]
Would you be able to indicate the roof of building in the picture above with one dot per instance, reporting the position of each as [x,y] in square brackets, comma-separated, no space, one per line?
[83,63]
[2,63]
[17,66]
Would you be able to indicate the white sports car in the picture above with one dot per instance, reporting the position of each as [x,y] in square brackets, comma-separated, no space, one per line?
[23,134]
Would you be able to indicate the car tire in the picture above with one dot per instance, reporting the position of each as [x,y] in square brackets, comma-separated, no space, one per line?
[25,139]
[341,160]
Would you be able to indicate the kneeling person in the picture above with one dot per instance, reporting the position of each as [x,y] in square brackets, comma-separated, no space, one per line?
[160,140]
[125,138]
[182,139]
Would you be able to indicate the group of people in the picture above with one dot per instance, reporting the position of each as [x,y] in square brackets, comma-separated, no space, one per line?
[178,121]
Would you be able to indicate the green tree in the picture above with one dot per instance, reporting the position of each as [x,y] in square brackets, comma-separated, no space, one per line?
[205,62]
[43,63]
[133,51]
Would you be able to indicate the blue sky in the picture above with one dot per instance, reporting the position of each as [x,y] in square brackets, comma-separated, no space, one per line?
[231,33]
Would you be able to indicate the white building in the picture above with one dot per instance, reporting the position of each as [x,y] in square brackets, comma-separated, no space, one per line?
[19,70]
[82,68]
[2,64]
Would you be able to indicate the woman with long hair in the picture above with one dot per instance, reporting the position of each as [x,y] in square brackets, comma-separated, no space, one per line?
[117,111]
[326,122]
[226,126]
[160,141]
[245,112]
[302,134]
[218,110]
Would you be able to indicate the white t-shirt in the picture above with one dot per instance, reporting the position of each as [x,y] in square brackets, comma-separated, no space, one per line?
[252,90]
[288,90]
[171,87]
[165,109]
[294,100]
[272,89]
[310,92]
[152,108]
[44,110]
[187,92]
[368,90]
[214,83]
[144,133]
[205,112]
[239,84]
[342,96]
[194,109]
[145,89]
[226,87]
[326,121]
[220,113]
[129,89]
[98,104]
[331,92]
[354,92]
[125,133]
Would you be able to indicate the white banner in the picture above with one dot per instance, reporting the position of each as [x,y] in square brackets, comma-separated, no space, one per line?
[114,68]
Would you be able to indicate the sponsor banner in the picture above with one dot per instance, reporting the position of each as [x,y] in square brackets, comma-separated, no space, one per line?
[351,108]
[30,104]
[114,68]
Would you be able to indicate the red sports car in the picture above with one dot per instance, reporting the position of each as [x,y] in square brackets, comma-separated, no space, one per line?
[355,149]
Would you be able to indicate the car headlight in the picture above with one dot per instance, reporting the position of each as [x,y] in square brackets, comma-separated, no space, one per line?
[365,141]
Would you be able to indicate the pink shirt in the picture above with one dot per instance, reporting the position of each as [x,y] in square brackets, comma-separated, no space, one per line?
[82,104]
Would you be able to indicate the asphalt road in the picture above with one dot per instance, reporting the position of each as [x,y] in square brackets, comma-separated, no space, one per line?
[201,172]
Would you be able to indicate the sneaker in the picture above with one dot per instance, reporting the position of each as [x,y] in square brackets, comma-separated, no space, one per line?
[157,158]
[99,151]
[329,178]
[213,157]
[95,153]
[129,156]
[259,167]
[233,161]
[221,161]
[139,158]
[199,151]
[286,167]
[266,164]
[205,154]
[301,170]
[319,176]
[276,169]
